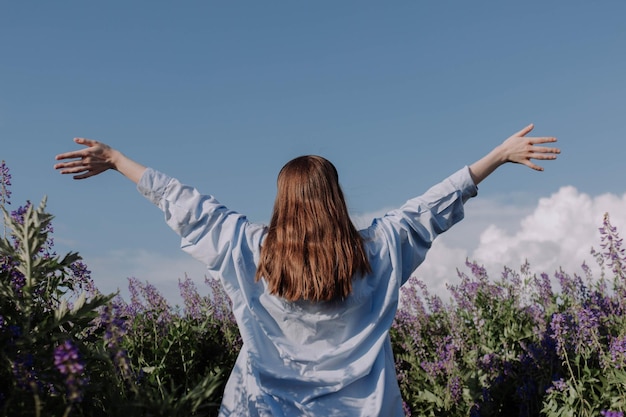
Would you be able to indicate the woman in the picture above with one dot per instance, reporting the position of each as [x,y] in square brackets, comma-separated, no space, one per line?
[313,297]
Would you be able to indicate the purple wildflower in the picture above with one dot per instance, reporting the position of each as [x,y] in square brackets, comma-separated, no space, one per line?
[445,354]
[406,409]
[609,413]
[617,350]
[544,289]
[156,306]
[464,294]
[18,214]
[221,306]
[410,300]
[17,279]
[560,328]
[135,307]
[558,385]
[588,322]
[478,271]
[5,184]
[455,388]
[5,190]
[68,362]
[221,313]
[612,244]
[81,276]
[490,363]
[515,280]
[115,328]
[191,298]
[24,372]
[410,326]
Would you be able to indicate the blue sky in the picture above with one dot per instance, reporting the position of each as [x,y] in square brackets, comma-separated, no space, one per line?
[398,95]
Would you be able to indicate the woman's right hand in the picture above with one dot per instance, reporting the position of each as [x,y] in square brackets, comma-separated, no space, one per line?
[96,158]
[519,149]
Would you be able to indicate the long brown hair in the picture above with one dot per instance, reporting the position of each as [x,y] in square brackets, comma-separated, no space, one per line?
[312,250]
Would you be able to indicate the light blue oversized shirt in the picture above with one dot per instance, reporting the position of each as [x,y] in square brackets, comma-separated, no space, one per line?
[322,359]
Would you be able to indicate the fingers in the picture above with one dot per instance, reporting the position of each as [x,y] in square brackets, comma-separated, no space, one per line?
[541,153]
[86,142]
[81,171]
[542,156]
[534,166]
[77,154]
[85,175]
[543,149]
[538,140]
[525,130]
[70,155]
[71,164]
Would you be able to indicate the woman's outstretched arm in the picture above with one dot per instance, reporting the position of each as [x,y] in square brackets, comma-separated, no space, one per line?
[95,159]
[519,149]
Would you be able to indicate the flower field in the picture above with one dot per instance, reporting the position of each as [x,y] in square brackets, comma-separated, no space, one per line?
[520,343]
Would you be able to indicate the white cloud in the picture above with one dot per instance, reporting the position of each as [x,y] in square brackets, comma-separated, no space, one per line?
[558,233]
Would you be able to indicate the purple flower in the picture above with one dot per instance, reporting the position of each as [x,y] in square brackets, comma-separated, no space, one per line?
[609,413]
[5,184]
[111,317]
[569,286]
[558,385]
[544,288]
[406,408]
[588,322]
[612,244]
[221,306]
[445,354]
[18,215]
[18,281]
[465,293]
[24,371]
[68,362]
[455,388]
[490,362]
[156,306]
[560,328]
[81,276]
[191,298]
[617,350]
[477,270]
[67,359]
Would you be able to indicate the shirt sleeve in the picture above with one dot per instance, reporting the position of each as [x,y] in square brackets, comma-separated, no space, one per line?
[209,231]
[412,228]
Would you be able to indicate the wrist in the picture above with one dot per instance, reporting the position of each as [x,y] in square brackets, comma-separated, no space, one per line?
[499,155]
[115,159]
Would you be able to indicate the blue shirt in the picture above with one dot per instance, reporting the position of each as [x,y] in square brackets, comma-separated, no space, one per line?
[310,358]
